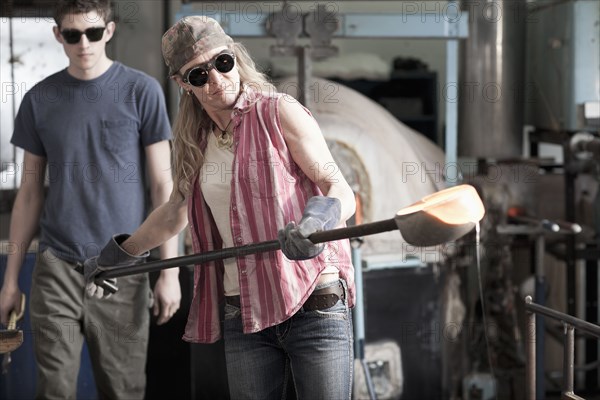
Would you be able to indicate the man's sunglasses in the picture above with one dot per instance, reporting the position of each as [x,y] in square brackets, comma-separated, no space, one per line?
[73,36]
[198,75]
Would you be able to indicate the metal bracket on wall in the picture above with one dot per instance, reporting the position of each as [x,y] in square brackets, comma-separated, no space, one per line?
[444,24]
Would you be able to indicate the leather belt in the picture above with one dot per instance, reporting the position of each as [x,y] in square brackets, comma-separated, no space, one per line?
[320,299]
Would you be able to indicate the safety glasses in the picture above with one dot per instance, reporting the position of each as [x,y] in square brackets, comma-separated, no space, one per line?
[198,75]
[73,36]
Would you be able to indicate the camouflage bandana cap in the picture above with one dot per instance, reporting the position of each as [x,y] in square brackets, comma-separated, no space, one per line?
[189,38]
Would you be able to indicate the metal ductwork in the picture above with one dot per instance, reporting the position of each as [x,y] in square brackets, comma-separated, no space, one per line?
[491,105]
[563,65]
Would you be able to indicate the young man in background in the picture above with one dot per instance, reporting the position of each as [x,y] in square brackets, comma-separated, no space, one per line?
[95,132]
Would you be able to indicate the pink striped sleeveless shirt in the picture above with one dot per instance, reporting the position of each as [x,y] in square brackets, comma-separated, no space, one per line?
[267,190]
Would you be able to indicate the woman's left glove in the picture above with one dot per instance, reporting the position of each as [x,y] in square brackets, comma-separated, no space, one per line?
[320,214]
[111,256]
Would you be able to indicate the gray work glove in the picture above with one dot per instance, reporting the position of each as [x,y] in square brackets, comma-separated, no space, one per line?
[111,256]
[320,214]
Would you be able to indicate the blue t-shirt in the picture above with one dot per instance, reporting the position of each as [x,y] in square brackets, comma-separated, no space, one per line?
[92,134]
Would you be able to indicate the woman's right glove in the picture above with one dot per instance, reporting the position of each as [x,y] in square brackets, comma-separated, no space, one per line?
[111,256]
[320,214]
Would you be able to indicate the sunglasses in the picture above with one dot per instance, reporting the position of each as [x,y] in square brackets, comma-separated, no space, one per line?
[198,75]
[73,36]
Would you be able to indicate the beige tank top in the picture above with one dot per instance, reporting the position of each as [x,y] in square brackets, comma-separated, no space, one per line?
[215,183]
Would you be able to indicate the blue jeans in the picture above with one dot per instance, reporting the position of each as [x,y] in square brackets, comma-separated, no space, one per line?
[312,350]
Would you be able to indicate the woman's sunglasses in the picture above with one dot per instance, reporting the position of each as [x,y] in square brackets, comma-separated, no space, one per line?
[198,75]
[73,36]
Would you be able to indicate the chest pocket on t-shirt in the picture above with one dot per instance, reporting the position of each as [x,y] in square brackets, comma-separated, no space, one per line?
[119,135]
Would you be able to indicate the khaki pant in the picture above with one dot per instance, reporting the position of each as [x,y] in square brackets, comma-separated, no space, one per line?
[115,329]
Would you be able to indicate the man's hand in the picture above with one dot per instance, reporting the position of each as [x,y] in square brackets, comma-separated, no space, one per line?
[321,213]
[167,296]
[9,300]
[111,256]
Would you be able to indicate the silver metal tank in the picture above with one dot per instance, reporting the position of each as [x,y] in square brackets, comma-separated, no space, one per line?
[491,104]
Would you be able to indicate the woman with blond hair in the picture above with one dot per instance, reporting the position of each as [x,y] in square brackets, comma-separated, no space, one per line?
[251,165]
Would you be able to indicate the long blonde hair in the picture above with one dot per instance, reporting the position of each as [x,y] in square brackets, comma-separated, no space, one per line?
[193,123]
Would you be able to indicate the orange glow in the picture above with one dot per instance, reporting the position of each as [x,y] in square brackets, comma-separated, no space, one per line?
[456,205]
